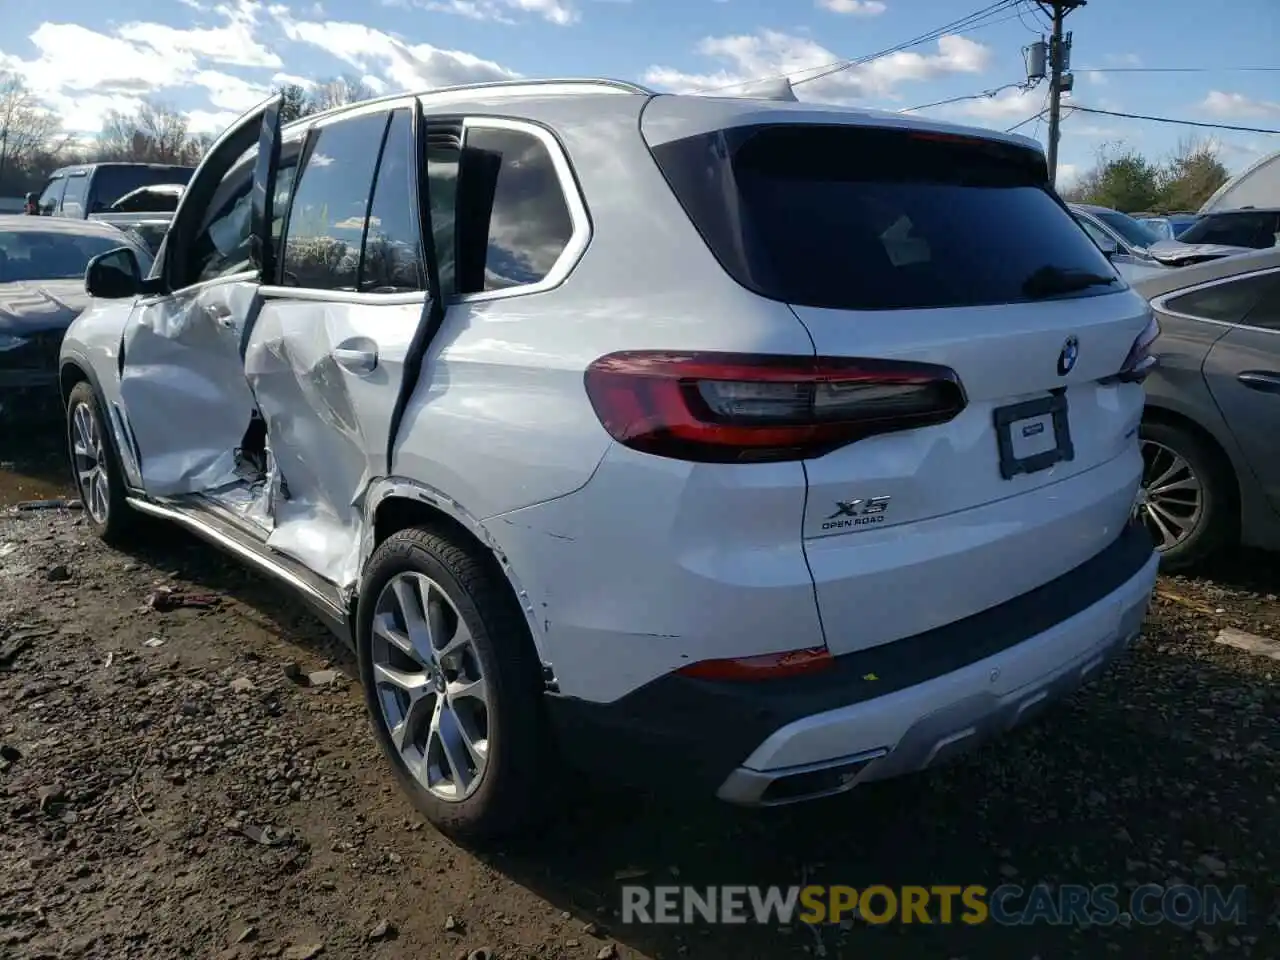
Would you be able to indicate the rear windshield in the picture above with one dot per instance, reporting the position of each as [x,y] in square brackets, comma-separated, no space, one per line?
[1135,232]
[860,218]
[1256,229]
[112,183]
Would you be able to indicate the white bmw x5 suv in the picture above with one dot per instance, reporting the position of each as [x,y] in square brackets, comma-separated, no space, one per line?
[761,445]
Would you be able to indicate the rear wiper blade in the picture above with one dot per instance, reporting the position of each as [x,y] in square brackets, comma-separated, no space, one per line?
[1050,281]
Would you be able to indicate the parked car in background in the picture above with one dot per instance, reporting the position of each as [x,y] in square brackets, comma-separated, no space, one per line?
[42,269]
[1169,226]
[1211,430]
[664,488]
[1221,234]
[148,229]
[1122,237]
[84,189]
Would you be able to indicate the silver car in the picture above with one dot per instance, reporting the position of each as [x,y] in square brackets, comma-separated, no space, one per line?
[1211,460]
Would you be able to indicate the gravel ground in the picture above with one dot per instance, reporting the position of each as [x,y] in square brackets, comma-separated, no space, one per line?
[175,783]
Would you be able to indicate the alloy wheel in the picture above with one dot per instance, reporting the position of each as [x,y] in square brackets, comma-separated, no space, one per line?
[89,459]
[430,686]
[1170,501]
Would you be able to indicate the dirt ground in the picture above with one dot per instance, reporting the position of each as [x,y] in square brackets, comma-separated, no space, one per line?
[172,785]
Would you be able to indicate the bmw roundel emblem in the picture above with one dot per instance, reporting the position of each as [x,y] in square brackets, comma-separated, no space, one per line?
[1067,358]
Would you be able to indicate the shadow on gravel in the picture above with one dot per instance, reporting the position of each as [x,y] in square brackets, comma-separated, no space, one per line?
[33,460]
[1166,760]
[1254,570]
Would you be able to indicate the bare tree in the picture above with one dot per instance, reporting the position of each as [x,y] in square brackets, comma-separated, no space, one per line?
[27,129]
[338,92]
[154,133]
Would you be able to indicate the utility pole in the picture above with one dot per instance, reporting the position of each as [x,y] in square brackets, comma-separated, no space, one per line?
[1060,81]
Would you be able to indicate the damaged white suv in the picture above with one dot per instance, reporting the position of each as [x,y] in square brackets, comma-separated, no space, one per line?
[751,444]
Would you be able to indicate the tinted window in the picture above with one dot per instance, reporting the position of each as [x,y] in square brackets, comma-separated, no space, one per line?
[443,155]
[1227,302]
[1266,312]
[867,219]
[52,194]
[52,255]
[222,248]
[330,205]
[110,183]
[146,201]
[393,245]
[1134,232]
[74,198]
[1244,229]
[1096,233]
[511,174]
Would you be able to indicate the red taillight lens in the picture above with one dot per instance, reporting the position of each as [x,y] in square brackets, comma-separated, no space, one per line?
[770,666]
[1140,360]
[730,408]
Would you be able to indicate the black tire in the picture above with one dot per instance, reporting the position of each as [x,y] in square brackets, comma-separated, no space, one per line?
[1216,525]
[510,795]
[120,520]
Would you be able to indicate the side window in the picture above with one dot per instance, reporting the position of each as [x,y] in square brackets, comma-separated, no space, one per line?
[529,224]
[1266,312]
[392,260]
[1227,302]
[331,205]
[444,153]
[1098,236]
[73,198]
[222,248]
[49,199]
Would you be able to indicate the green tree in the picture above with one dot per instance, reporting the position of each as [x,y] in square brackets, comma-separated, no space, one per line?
[1191,176]
[1122,179]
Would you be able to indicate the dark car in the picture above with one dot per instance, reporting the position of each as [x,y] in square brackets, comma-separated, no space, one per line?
[1221,234]
[1211,460]
[90,188]
[42,266]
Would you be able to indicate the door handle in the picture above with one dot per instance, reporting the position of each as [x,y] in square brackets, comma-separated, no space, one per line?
[355,360]
[1261,380]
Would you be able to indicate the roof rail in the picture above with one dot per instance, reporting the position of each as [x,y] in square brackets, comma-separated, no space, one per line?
[600,85]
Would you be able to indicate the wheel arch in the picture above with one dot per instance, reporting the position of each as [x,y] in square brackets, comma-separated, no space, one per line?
[396,504]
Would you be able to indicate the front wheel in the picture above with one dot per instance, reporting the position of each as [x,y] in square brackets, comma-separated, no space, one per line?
[95,466]
[1185,499]
[452,685]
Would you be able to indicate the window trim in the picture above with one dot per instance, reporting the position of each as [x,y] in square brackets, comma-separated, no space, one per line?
[1160,303]
[579,216]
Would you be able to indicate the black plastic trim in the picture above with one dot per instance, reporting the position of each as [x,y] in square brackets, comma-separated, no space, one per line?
[706,729]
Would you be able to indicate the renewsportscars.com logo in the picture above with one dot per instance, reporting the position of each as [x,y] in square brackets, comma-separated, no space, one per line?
[1007,905]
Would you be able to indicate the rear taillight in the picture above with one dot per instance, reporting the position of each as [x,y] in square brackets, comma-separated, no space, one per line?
[1140,361]
[769,666]
[731,408]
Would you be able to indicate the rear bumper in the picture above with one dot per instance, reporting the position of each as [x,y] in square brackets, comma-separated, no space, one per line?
[881,712]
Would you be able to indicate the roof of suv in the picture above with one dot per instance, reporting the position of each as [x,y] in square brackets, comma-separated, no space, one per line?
[692,113]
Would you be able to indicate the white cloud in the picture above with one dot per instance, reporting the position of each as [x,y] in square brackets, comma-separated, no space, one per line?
[232,44]
[560,12]
[1222,104]
[1006,105]
[404,66]
[228,92]
[772,53]
[1068,174]
[858,8]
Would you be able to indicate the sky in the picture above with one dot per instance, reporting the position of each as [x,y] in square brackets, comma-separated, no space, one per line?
[214,59]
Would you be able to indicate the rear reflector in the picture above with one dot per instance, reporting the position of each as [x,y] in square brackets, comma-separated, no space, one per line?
[734,408]
[770,666]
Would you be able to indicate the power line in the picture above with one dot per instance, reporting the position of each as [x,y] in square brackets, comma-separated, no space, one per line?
[1184,123]
[1177,70]
[1022,123]
[979,18]
[985,94]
